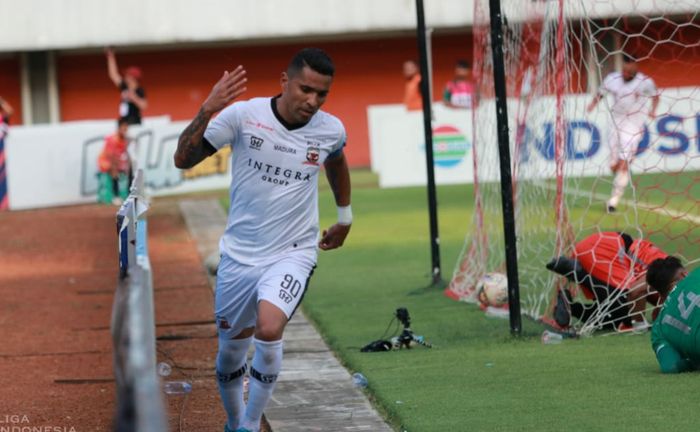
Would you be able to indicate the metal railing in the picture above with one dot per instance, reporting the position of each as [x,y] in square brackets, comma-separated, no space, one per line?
[140,406]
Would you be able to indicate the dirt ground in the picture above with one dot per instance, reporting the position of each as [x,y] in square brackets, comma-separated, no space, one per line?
[58,272]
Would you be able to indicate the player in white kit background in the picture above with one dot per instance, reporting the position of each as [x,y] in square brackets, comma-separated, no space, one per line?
[631,91]
[269,248]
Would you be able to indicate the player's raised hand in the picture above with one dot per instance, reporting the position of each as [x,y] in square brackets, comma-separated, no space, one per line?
[334,237]
[231,85]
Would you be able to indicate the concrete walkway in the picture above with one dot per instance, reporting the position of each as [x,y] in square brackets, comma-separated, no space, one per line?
[314,392]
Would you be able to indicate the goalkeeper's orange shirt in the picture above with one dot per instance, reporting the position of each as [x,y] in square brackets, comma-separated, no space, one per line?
[643,253]
[605,257]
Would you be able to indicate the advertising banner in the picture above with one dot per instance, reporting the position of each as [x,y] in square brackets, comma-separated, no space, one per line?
[670,142]
[52,165]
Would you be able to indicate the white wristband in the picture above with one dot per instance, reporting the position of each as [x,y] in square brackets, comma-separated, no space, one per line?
[345,215]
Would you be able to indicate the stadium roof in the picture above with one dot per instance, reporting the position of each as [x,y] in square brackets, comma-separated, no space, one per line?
[79,24]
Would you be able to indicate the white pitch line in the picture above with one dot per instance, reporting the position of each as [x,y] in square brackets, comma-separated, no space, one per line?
[667,212]
[664,211]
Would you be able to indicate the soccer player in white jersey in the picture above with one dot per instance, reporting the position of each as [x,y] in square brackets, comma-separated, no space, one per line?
[631,91]
[269,248]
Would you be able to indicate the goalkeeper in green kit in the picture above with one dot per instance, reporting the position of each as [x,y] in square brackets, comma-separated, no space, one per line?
[675,335]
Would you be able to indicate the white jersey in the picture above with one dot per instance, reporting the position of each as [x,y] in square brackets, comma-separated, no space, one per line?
[274,186]
[630,99]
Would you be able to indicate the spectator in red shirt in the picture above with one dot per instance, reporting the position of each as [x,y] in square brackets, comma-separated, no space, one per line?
[459,92]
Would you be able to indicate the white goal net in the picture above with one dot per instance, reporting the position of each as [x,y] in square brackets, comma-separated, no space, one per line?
[558,56]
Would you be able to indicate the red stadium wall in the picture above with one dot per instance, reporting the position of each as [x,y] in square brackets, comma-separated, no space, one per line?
[671,64]
[368,73]
[178,81]
[10,86]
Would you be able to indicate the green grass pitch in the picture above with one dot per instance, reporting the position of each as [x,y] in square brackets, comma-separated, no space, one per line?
[476,378]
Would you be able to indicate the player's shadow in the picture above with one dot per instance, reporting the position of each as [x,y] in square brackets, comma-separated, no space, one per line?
[430,288]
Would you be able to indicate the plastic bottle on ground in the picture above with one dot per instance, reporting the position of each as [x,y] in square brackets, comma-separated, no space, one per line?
[359,380]
[164,369]
[497,312]
[177,387]
[551,338]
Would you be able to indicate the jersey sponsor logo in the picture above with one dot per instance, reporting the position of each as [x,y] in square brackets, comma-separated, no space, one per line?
[278,175]
[284,149]
[313,152]
[256,142]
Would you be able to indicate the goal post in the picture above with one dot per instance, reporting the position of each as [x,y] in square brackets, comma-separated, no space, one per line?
[511,261]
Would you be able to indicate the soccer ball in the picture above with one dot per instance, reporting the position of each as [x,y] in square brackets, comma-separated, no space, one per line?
[492,289]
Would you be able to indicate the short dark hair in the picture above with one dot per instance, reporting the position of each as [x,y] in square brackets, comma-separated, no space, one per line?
[662,272]
[463,64]
[122,120]
[314,58]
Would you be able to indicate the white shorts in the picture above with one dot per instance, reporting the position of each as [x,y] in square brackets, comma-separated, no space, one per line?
[239,288]
[624,139]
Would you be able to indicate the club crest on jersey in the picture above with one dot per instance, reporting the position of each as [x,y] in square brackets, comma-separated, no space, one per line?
[313,153]
[255,142]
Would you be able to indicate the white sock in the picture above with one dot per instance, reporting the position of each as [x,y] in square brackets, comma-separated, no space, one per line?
[230,371]
[619,185]
[264,369]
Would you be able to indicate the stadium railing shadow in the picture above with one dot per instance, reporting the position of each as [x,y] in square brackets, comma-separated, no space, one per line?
[140,406]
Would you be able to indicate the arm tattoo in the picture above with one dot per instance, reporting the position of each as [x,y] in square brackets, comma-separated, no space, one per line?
[189,146]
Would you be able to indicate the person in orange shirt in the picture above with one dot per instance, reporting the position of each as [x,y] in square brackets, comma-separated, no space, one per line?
[412,97]
[606,264]
[114,158]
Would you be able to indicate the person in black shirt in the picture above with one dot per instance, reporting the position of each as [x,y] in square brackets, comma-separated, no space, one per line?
[133,96]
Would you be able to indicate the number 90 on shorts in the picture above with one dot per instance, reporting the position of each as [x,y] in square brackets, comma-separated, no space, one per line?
[290,288]
[240,287]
